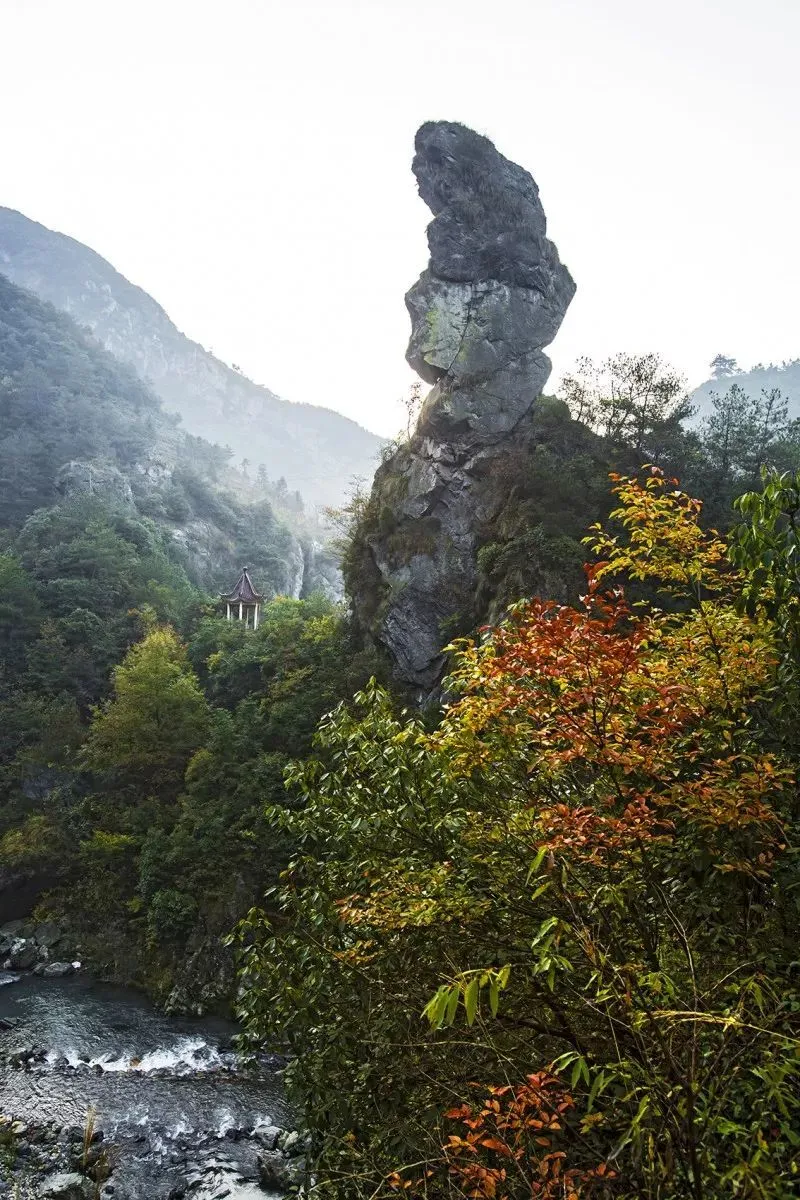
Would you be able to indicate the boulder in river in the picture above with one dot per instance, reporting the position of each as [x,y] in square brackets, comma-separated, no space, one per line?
[279,1172]
[23,954]
[57,970]
[47,934]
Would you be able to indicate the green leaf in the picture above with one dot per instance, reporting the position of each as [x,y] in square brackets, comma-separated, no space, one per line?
[471,999]
[597,1086]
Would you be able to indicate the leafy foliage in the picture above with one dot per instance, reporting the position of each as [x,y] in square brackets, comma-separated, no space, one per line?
[156,718]
[584,877]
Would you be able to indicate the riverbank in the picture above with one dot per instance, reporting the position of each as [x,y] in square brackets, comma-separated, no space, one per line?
[123,1102]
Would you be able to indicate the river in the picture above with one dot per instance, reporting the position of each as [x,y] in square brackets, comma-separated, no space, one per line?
[167,1092]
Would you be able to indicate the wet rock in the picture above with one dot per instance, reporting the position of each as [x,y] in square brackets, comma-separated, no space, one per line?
[12,929]
[23,954]
[267,1136]
[278,1172]
[289,1142]
[57,970]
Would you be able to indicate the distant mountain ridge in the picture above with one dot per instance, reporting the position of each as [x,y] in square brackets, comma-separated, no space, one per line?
[785,377]
[318,451]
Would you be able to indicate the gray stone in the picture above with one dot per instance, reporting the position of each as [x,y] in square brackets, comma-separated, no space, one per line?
[94,479]
[66,1185]
[266,1135]
[278,1172]
[492,298]
[289,1142]
[47,934]
[23,954]
[57,970]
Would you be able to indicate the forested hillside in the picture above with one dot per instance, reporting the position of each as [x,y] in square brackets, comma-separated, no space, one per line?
[114,529]
[316,450]
[79,428]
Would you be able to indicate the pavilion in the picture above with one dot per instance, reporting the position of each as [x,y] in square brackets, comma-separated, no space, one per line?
[244,602]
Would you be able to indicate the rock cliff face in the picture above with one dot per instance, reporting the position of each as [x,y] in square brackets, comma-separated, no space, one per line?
[492,298]
[316,450]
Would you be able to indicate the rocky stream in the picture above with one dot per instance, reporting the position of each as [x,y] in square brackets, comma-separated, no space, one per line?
[103,1096]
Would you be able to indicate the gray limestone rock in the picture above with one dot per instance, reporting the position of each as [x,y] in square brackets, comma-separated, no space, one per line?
[94,479]
[493,296]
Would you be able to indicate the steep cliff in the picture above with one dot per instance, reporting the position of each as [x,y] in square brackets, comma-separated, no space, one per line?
[316,450]
[493,296]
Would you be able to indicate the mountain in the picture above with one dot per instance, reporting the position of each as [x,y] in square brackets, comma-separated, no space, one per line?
[83,440]
[785,377]
[316,450]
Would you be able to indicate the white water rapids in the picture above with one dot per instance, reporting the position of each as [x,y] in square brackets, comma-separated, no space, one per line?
[167,1091]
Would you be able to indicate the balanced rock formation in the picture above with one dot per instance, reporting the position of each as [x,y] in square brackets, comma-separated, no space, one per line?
[492,298]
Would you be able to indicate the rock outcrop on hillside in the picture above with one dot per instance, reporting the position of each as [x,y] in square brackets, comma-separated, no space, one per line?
[318,451]
[493,296]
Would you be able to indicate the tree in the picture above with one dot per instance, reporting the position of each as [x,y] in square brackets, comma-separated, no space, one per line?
[20,613]
[765,545]
[722,366]
[742,434]
[156,718]
[581,876]
[631,400]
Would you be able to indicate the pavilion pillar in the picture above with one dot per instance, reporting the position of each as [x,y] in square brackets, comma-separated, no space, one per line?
[228,614]
[240,610]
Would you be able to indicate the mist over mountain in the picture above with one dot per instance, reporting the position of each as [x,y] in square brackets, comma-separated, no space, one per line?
[316,450]
[84,443]
[760,378]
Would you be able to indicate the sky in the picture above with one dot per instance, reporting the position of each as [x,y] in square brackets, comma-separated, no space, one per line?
[247,162]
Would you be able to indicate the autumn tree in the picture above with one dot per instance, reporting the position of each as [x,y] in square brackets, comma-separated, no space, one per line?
[582,878]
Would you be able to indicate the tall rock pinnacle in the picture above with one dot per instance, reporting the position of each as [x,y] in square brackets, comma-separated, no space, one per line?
[493,295]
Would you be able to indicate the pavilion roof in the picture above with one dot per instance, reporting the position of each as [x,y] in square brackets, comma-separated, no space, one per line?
[244,591]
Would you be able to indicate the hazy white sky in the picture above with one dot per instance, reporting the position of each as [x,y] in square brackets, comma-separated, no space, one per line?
[247,163]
